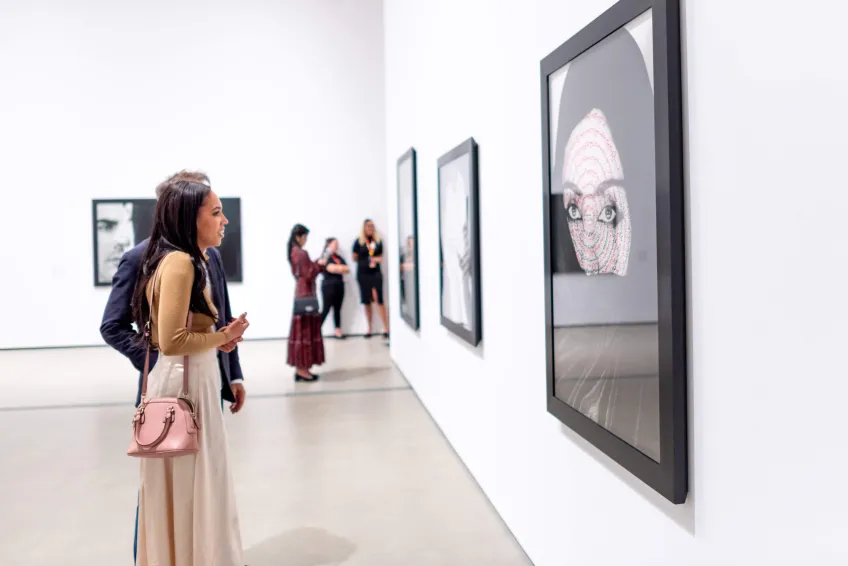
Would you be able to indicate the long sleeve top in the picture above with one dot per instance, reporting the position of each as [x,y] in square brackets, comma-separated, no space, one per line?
[305,271]
[169,310]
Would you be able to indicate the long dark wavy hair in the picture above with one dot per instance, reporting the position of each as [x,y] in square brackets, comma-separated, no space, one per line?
[298,231]
[174,229]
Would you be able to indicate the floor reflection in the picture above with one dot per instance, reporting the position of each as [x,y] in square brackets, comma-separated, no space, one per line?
[611,375]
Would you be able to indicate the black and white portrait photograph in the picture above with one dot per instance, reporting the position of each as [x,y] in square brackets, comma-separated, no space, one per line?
[118,226]
[602,194]
[458,242]
[121,224]
[407,195]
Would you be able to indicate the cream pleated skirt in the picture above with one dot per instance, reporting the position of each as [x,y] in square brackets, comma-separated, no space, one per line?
[187,508]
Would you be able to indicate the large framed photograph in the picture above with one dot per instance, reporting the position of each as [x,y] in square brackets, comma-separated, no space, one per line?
[121,224]
[459,243]
[407,196]
[614,233]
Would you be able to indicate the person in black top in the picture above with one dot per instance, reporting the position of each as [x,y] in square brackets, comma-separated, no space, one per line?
[368,254]
[332,286]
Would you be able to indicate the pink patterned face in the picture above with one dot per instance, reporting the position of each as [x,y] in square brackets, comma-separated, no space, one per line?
[594,198]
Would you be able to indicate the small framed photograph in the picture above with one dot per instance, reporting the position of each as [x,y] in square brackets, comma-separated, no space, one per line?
[459,243]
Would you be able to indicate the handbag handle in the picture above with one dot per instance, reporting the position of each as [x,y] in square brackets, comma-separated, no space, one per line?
[166,426]
[148,338]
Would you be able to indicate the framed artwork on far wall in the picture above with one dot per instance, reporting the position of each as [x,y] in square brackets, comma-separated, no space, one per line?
[615,293]
[407,196]
[459,242]
[118,225]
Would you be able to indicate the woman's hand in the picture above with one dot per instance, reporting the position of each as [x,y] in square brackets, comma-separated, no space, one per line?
[230,346]
[322,261]
[235,329]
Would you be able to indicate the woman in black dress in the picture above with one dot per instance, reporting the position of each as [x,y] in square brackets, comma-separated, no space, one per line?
[332,285]
[368,254]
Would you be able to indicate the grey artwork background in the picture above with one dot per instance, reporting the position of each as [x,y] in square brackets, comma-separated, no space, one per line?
[606,357]
[457,274]
[121,224]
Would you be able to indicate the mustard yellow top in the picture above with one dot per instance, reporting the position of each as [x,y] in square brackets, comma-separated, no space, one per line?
[169,310]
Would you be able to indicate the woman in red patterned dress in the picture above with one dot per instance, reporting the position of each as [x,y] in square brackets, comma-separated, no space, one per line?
[306,346]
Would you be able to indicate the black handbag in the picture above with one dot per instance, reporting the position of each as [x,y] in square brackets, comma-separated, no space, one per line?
[306,306]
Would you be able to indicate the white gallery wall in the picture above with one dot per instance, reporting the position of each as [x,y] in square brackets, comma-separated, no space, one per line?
[765,112]
[280,102]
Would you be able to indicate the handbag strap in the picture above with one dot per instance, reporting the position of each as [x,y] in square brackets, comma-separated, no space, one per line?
[148,338]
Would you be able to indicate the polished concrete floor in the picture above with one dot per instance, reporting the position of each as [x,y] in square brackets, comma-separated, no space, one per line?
[348,471]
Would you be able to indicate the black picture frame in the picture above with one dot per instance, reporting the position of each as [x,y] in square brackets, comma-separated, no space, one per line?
[472,332]
[412,316]
[136,223]
[669,474]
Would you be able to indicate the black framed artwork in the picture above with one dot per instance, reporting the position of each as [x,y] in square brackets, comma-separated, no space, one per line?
[407,196]
[459,243]
[118,225]
[614,231]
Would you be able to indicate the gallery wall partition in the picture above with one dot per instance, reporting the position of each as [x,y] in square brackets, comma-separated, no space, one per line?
[407,241]
[459,242]
[613,197]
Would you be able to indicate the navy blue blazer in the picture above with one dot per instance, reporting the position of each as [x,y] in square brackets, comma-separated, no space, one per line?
[117,325]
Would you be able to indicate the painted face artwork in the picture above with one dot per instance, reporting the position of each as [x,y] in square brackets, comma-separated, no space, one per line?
[594,198]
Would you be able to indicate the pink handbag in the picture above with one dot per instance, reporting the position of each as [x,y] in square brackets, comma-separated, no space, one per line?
[164,427]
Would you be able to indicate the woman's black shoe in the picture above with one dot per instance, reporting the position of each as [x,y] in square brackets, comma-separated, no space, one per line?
[298,377]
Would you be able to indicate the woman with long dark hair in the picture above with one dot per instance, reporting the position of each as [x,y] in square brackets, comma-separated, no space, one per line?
[187,508]
[306,346]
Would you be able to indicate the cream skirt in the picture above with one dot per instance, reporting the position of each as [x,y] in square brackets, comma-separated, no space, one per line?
[187,508]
